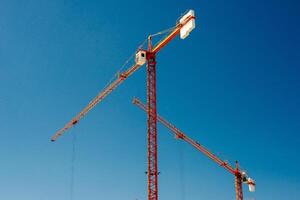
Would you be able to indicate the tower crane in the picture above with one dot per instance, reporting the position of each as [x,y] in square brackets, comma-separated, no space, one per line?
[240,176]
[183,27]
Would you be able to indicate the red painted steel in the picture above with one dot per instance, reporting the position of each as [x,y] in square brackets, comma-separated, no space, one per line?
[106,91]
[172,35]
[152,129]
[238,183]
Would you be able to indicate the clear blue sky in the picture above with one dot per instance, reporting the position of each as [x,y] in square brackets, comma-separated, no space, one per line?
[232,85]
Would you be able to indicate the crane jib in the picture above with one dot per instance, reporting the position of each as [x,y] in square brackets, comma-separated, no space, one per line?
[96,100]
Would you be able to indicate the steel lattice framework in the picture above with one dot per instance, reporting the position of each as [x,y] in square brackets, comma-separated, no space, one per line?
[238,183]
[152,129]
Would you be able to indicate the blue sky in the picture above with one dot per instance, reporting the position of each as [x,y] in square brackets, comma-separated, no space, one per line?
[232,85]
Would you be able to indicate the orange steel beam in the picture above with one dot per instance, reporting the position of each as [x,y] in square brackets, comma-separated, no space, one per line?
[172,35]
[106,91]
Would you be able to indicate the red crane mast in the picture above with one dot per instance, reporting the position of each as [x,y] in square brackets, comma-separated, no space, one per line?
[240,176]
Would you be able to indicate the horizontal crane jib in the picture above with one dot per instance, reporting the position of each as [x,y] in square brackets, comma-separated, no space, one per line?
[106,91]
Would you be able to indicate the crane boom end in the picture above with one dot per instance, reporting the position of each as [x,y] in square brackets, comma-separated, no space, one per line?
[135,100]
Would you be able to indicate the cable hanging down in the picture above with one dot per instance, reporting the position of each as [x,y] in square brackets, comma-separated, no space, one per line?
[73,157]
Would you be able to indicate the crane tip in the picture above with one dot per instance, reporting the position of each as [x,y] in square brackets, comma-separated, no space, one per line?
[134,100]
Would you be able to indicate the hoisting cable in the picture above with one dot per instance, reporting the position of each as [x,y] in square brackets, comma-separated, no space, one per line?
[162,32]
[73,157]
[181,171]
[124,65]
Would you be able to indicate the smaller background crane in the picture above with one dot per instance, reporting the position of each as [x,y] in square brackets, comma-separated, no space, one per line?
[240,176]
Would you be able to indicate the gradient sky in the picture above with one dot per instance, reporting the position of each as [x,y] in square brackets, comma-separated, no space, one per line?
[232,85]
